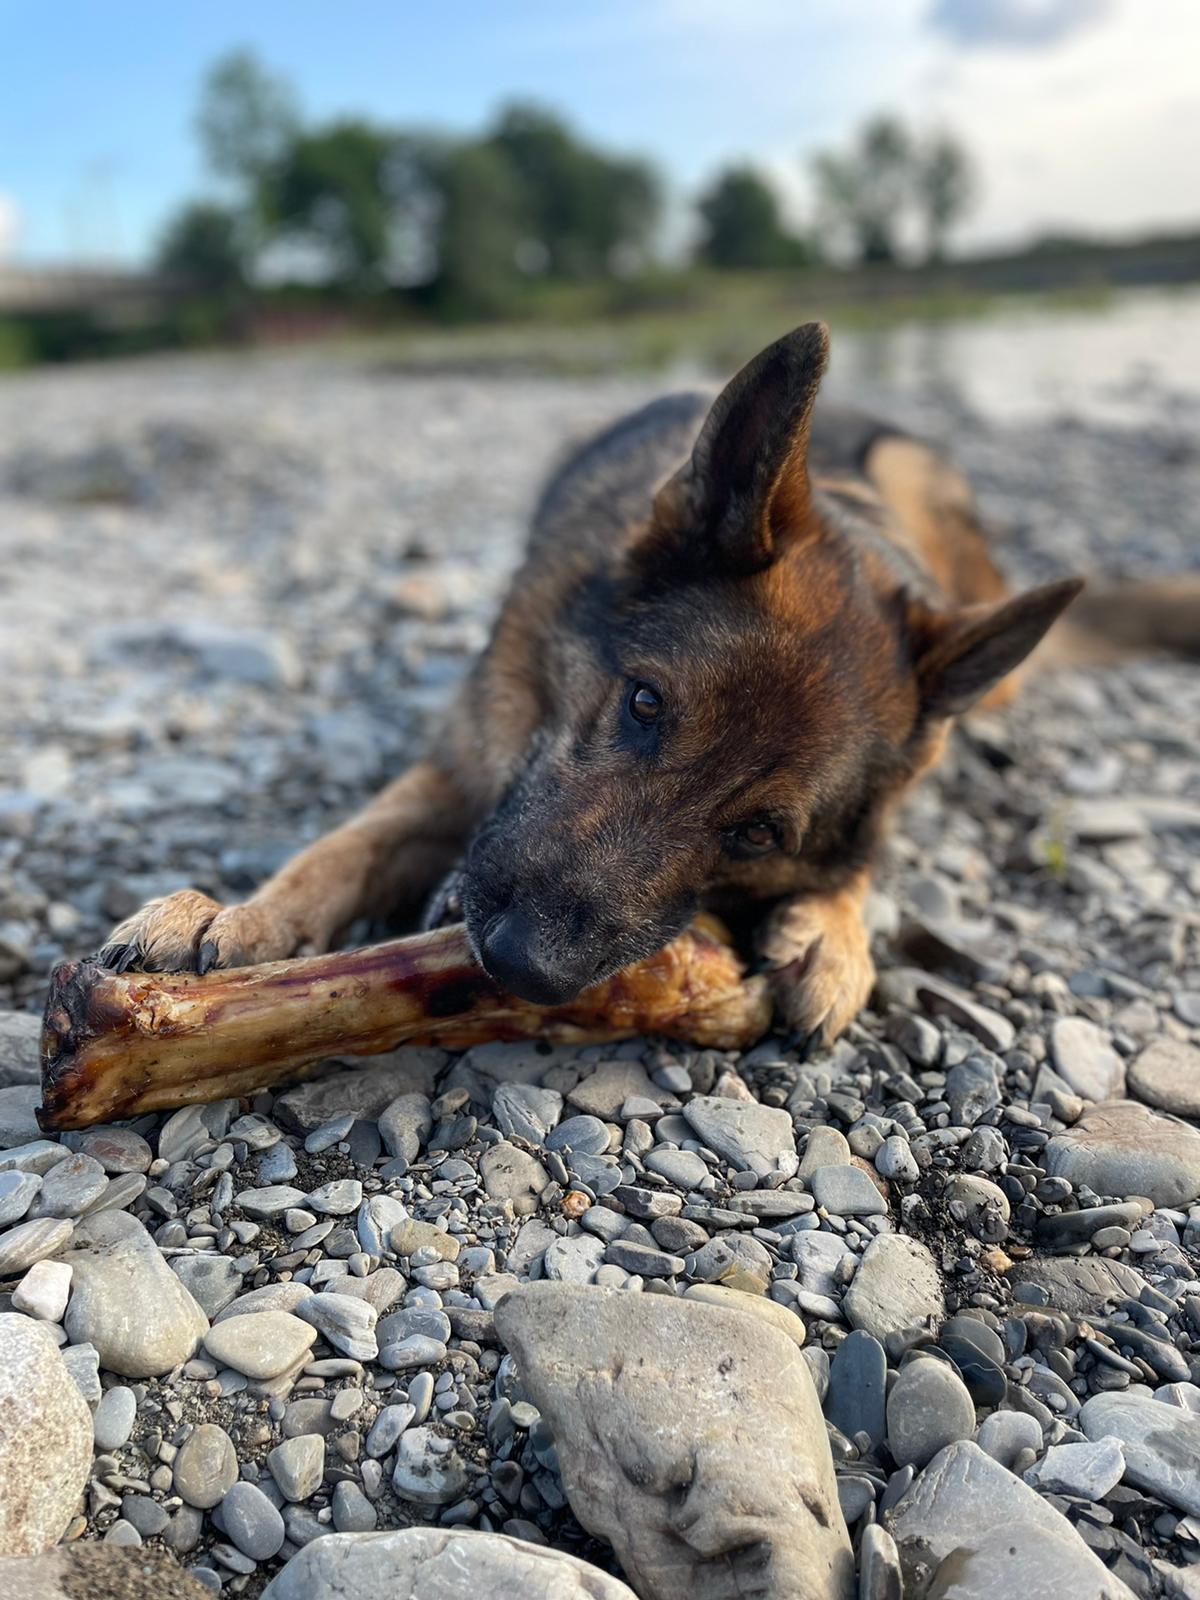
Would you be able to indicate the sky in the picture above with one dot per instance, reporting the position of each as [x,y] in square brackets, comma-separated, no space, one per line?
[1080,114]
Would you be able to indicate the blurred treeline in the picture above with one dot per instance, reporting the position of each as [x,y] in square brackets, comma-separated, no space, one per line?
[537,235]
[468,228]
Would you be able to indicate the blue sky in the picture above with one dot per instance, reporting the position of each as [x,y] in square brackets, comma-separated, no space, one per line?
[1079,111]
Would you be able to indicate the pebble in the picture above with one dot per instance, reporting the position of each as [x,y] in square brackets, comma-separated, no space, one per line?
[261,1344]
[526,1111]
[895,1161]
[206,1466]
[1161,1444]
[352,1511]
[1166,1074]
[856,1401]
[32,1241]
[252,1522]
[213,1281]
[980,1205]
[574,1260]
[583,1135]
[896,1286]
[752,1137]
[114,1417]
[683,1168]
[337,1198]
[44,1291]
[1088,1470]
[643,1259]
[70,1188]
[928,1407]
[126,1301]
[1084,1056]
[512,1175]
[847,1192]
[1125,1148]
[405,1124]
[298,1465]
[46,1431]
[343,1321]
[117,1150]
[825,1147]
[1005,1434]
[428,1471]
[17,1192]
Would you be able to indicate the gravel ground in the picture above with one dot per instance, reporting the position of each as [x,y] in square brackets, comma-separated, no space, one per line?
[231,594]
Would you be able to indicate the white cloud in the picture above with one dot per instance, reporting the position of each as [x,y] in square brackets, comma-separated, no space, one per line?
[1094,131]
[10,226]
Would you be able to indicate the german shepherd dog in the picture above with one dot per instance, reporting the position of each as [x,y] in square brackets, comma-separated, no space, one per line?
[741,631]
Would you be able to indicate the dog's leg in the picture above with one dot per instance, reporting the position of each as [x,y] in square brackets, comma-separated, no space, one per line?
[819,953]
[394,851]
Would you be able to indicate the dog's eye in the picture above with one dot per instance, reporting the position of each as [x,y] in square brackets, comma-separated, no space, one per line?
[755,838]
[645,704]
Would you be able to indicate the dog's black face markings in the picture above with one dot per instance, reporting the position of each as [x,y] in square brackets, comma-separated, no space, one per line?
[617,822]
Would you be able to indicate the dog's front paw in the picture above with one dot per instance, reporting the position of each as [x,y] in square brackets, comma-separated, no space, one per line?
[819,956]
[190,932]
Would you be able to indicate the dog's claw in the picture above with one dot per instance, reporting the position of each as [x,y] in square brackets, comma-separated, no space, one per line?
[809,1042]
[117,957]
[208,957]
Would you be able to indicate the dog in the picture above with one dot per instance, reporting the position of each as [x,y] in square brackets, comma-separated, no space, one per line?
[742,630]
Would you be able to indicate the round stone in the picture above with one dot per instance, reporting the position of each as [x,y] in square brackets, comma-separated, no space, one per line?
[43,1291]
[252,1522]
[1167,1075]
[298,1465]
[46,1436]
[928,1408]
[260,1344]
[1084,1056]
[117,1149]
[17,1193]
[69,1188]
[114,1417]
[1124,1148]
[126,1301]
[206,1467]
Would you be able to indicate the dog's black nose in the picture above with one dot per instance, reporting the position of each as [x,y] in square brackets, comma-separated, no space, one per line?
[510,950]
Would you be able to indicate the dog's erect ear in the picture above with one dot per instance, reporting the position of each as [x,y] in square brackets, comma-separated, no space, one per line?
[745,491]
[960,655]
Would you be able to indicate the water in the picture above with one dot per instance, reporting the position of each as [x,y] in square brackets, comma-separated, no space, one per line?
[1136,352]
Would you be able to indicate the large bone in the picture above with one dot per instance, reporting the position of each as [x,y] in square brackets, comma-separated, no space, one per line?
[117,1044]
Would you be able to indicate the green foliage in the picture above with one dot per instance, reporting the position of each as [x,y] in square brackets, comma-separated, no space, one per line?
[247,118]
[18,348]
[887,177]
[742,227]
[329,187]
[945,186]
[588,214]
[479,233]
[203,246]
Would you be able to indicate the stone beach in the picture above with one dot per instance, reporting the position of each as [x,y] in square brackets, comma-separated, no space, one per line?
[479,1315]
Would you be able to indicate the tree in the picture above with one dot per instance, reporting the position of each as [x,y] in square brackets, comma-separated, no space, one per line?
[742,226]
[587,212]
[328,186]
[865,190]
[203,246]
[246,119]
[944,184]
[480,229]
[886,178]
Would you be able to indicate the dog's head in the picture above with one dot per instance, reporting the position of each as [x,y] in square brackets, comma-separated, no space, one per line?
[730,705]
